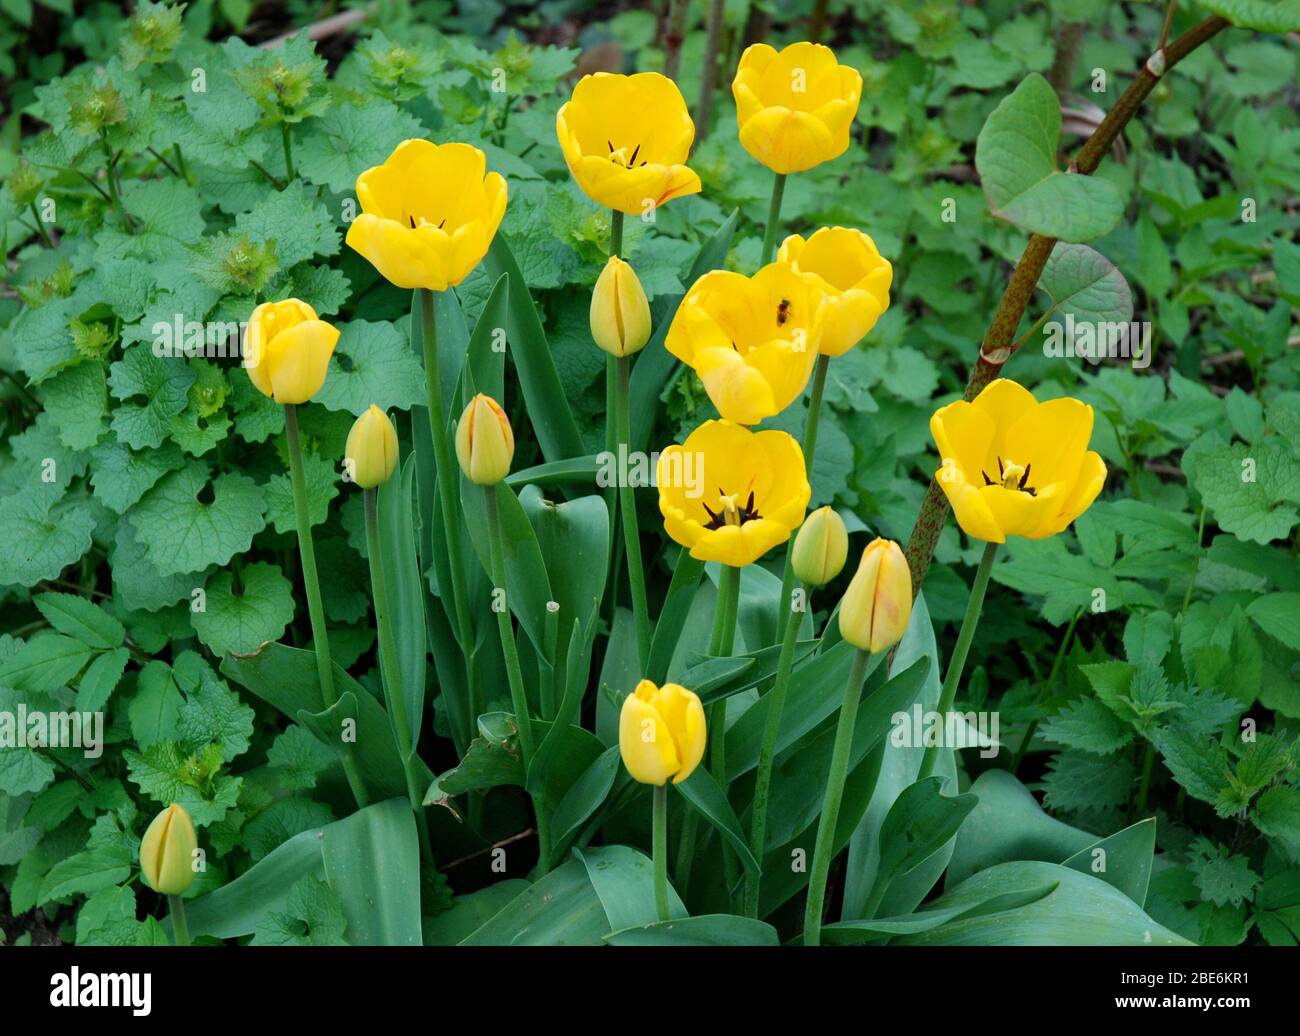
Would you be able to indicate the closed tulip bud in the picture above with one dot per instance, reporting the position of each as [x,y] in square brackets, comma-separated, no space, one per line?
[620,312]
[371,452]
[167,852]
[661,733]
[878,603]
[287,350]
[485,444]
[821,547]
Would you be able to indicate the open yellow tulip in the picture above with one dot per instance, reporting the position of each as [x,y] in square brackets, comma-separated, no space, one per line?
[428,214]
[287,350]
[626,140]
[1013,466]
[661,733]
[752,340]
[795,107]
[728,494]
[852,276]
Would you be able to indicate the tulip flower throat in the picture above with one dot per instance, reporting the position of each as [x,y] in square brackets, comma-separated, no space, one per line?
[1011,476]
[729,513]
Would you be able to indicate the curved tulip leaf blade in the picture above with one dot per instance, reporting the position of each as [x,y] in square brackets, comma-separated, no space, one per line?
[856,933]
[1081,911]
[484,368]
[705,930]
[452,337]
[920,822]
[548,406]
[561,909]
[1015,156]
[470,912]
[570,471]
[405,592]
[372,860]
[585,795]
[710,801]
[624,881]
[326,724]
[1124,859]
[1263,15]
[674,613]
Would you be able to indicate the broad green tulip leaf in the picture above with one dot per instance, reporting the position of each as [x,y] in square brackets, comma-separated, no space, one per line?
[571,471]
[716,678]
[1124,859]
[285,678]
[705,930]
[484,368]
[571,750]
[898,769]
[450,343]
[920,822]
[655,365]
[326,724]
[707,797]
[1264,15]
[1081,911]
[372,861]
[561,909]
[673,615]
[619,674]
[470,912]
[585,796]
[1009,824]
[492,760]
[236,908]
[624,880]
[853,933]
[1016,159]
[548,405]
[244,621]
[405,592]
[528,585]
[1084,284]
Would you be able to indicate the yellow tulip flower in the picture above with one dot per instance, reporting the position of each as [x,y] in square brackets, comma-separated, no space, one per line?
[167,851]
[877,606]
[371,451]
[795,106]
[752,340]
[661,733]
[852,276]
[428,214]
[626,140]
[821,547]
[287,350]
[728,494]
[1013,466]
[485,442]
[620,311]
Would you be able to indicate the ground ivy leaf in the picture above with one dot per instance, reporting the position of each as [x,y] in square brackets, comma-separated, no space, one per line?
[137,583]
[41,537]
[1016,159]
[1251,490]
[372,363]
[281,820]
[77,402]
[298,758]
[322,487]
[164,384]
[243,622]
[313,916]
[213,715]
[182,534]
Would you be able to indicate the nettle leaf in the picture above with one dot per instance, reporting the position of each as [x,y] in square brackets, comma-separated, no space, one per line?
[1276,614]
[167,775]
[348,139]
[1277,814]
[1264,15]
[1222,876]
[298,225]
[322,486]
[164,386]
[1088,725]
[182,533]
[372,363]
[1252,491]
[1083,781]
[298,758]
[1016,159]
[313,916]
[1085,285]
[242,622]
[169,207]
[213,714]
[41,536]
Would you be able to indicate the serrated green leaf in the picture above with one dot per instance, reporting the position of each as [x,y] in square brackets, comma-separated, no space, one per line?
[242,622]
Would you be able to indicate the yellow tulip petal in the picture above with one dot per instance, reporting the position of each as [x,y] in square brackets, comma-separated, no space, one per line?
[1005,401]
[965,435]
[787,141]
[739,391]
[1087,485]
[1053,436]
[297,360]
[645,742]
[970,509]
[406,258]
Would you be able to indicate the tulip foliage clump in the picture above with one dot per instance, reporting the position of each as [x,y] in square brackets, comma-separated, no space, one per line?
[469,491]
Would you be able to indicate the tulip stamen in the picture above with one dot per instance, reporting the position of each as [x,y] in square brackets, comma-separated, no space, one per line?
[1011,476]
[728,513]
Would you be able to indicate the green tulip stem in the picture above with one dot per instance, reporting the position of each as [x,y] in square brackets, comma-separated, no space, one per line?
[824,848]
[721,641]
[180,927]
[611,423]
[448,496]
[809,453]
[767,755]
[315,607]
[660,850]
[957,662]
[631,533]
[773,220]
[394,695]
[514,675]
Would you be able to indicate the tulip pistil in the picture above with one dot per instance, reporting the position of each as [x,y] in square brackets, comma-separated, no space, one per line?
[729,513]
[1011,476]
[619,155]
